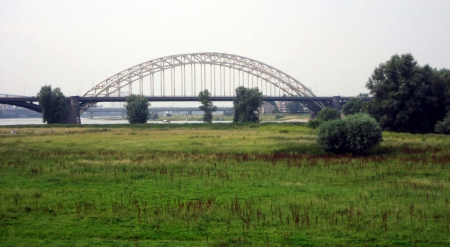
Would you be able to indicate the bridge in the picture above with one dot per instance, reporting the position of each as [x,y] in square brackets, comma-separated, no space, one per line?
[182,77]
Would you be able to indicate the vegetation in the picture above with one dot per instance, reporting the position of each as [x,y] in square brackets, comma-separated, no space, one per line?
[443,127]
[154,115]
[137,109]
[246,105]
[218,185]
[314,123]
[356,134]
[293,107]
[353,106]
[207,106]
[408,97]
[53,104]
[328,113]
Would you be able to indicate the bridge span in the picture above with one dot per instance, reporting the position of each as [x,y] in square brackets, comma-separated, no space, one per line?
[181,77]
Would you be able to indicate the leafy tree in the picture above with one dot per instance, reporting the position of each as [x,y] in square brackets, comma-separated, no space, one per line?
[247,104]
[355,134]
[53,104]
[137,108]
[207,106]
[408,97]
[328,113]
[352,106]
[293,107]
[443,127]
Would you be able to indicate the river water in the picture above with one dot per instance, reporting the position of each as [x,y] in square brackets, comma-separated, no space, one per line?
[37,121]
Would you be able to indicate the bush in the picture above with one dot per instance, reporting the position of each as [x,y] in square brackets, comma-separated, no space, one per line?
[278,116]
[328,113]
[355,134]
[443,127]
[314,123]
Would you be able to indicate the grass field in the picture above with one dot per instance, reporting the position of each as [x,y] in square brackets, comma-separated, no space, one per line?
[218,185]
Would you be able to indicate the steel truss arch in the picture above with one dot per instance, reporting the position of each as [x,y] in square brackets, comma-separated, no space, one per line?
[289,85]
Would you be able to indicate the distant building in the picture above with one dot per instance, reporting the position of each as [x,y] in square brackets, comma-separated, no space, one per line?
[267,108]
[282,106]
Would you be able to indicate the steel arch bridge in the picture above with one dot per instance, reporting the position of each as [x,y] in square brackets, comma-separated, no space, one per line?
[187,74]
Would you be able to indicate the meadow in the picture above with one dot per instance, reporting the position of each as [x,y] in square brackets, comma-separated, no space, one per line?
[218,185]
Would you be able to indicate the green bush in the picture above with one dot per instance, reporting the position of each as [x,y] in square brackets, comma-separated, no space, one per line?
[443,127]
[328,113]
[278,116]
[355,134]
[314,123]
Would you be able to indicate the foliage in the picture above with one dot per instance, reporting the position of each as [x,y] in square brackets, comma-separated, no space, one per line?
[207,106]
[328,113]
[154,115]
[218,185]
[293,107]
[168,114]
[278,116]
[352,106]
[355,134]
[408,97]
[137,108]
[53,104]
[443,127]
[314,123]
[247,104]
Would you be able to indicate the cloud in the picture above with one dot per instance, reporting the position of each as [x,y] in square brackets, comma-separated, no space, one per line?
[20,28]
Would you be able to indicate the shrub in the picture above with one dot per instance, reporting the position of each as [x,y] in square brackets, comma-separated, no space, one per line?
[328,113]
[278,116]
[443,127]
[355,134]
[314,123]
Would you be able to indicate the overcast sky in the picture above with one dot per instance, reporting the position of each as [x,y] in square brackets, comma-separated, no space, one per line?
[330,46]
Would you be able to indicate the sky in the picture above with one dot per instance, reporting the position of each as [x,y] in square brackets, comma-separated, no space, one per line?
[330,46]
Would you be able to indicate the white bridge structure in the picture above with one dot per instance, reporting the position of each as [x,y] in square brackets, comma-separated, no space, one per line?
[185,75]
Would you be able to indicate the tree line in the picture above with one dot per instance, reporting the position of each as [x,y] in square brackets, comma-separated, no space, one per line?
[407,97]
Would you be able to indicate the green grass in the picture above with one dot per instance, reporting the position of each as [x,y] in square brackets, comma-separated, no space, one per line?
[218,185]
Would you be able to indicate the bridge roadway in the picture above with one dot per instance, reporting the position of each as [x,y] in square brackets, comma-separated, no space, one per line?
[76,103]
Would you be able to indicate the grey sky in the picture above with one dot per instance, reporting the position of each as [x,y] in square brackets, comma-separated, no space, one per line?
[330,46]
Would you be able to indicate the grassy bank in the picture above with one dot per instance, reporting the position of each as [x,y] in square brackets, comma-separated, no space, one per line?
[218,185]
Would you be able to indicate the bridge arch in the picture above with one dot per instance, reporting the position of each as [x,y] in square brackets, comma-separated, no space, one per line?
[220,73]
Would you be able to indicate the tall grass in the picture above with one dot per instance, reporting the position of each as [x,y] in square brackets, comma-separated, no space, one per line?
[229,185]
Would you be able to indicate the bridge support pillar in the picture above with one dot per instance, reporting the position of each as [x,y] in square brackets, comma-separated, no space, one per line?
[337,102]
[73,115]
[123,114]
[312,114]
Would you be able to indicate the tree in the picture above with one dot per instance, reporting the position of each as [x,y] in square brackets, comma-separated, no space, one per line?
[352,106]
[137,108]
[328,113]
[355,134]
[247,104]
[293,107]
[53,104]
[207,106]
[408,97]
[443,127]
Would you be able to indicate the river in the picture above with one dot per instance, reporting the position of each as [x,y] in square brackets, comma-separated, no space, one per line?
[38,121]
